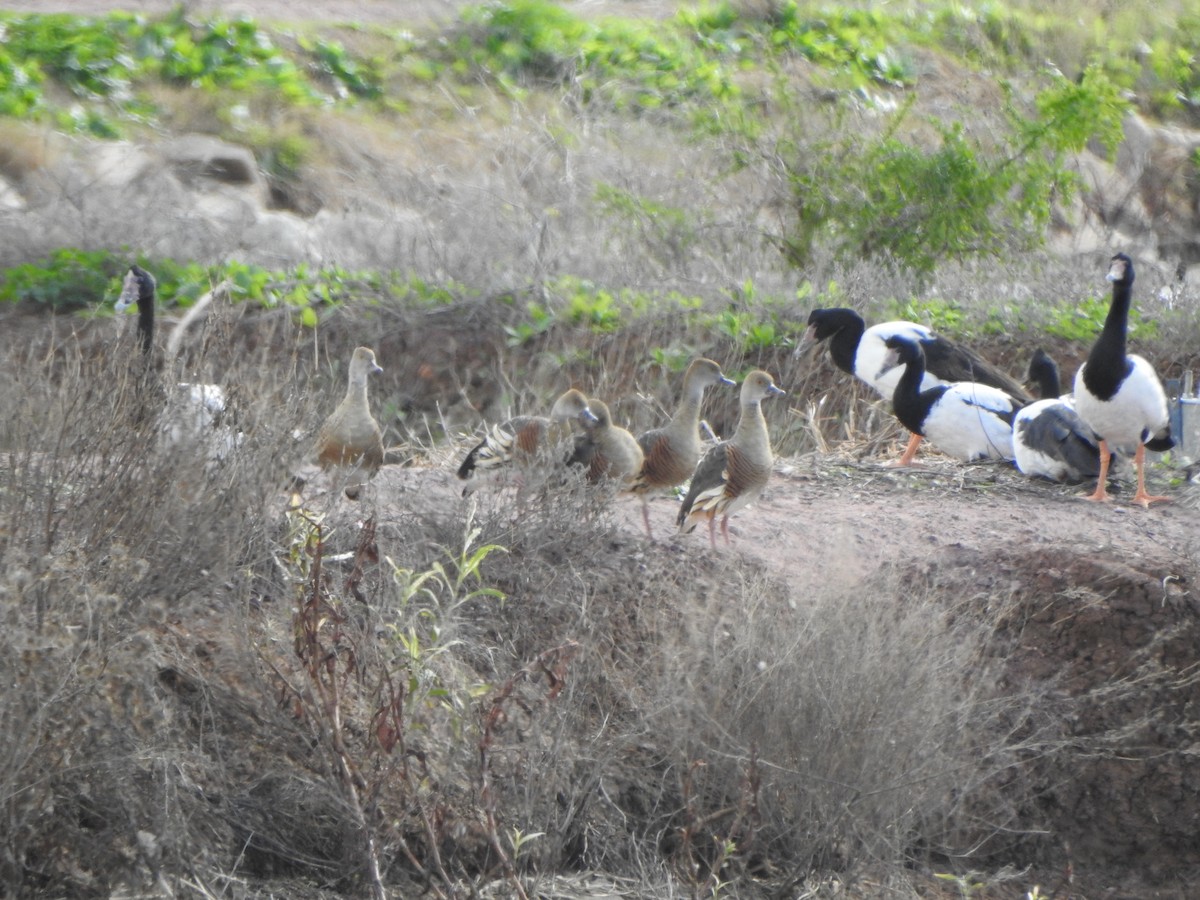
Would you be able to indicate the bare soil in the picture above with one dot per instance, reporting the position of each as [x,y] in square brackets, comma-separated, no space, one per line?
[1097,587]
[1098,583]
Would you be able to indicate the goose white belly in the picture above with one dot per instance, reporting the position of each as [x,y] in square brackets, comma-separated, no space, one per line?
[1051,441]
[967,422]
[868,360]
[1137,411]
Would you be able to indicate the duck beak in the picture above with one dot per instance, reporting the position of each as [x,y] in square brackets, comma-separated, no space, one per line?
[727,380]
[129,293]
[588,417]
[775,389]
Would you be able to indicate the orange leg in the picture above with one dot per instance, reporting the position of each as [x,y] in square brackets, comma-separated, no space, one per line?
[909,452]
[1141,496]
[1100,495]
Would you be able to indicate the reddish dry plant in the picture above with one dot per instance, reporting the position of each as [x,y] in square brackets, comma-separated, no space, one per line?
[703,869]
[553,664]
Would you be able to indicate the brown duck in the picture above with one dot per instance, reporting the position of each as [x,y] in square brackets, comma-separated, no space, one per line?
[734,472]
[351,440]
[607,451]
[670,453]
[525,439]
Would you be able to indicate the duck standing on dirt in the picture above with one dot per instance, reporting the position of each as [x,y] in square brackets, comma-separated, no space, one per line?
[734,472]
[524,440]
[670,453]
[1119,395]
[605,450]
[966,420]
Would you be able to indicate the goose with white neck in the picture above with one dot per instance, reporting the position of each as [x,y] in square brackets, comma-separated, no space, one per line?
[1119,395]
[965,420]
[734,472]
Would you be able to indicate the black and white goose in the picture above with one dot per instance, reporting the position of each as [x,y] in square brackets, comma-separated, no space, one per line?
[966,420]
[859,351]
[1119,395]
[191,412]
[1050,440]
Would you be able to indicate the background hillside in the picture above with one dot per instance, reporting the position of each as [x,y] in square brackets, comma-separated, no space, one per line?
[939,683]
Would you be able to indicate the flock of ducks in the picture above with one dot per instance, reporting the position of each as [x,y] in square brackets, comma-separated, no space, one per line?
[941,391]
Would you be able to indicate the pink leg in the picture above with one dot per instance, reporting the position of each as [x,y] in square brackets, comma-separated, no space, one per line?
[646,518]
[712,531]
[725,529]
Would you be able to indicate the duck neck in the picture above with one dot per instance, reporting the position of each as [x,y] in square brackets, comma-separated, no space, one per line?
[356,392]
[687,415]
[751,429]
[843,346]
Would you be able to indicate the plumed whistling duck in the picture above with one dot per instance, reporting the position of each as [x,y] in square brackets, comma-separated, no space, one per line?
[670,453]
[606,450]
[523,440]
[734,472]
[350,440]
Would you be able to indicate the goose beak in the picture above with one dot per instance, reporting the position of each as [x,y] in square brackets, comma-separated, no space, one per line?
[891,359]
[806,340]
[129,293]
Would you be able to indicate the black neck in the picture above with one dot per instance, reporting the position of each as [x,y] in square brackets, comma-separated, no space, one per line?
[1106,364]
[146,321]
[1047,379]
[910,404]
[844,344]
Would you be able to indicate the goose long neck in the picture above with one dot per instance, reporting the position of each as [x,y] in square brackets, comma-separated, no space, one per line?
[843,346]
[909,385]
[1048,382]
[1111,343]
[145,325]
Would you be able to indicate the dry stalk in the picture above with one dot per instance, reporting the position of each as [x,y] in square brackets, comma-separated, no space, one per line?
[553,664]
